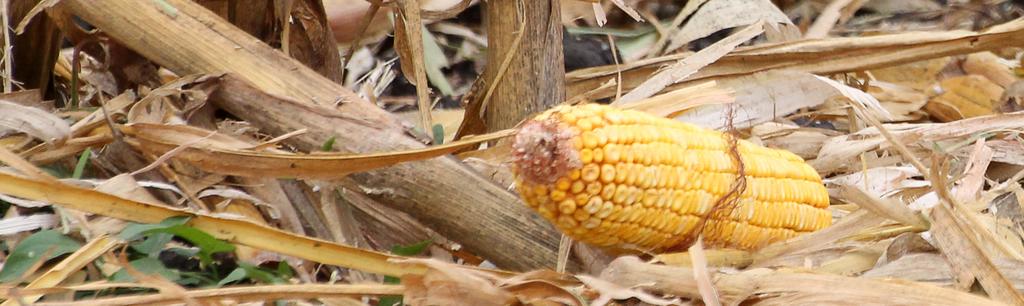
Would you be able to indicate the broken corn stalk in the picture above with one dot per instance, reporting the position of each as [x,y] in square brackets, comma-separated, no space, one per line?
[629,180]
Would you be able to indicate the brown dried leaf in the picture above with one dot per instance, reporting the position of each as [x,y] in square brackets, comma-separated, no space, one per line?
[716,15]
[804,142]
[965,97]
[849,225]
[223,154]
[33,121]
[690,65]
[770,287]
[879,182]
[671,103]
[990,66]
[919,75]
[541,292]
[826,20]
[964,252]
[842,151]
[824,56]
[855,261]
[450,284]
[764,96]
[888,208]
[610,291]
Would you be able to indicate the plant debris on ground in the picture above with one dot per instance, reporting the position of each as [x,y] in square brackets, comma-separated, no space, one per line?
[357,152]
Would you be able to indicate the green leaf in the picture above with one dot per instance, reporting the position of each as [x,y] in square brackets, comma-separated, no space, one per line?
[411,250]
[135,230]
[82,162]
[328,145]
[261,275]
[175,226]
[207,244]
[620,33]
[49,242]
[438,130]
[390,300]
[151,244]
[258,274]
[284,270]
[630,46]
[239,274]
[433,61]
[148,266]
[193,278]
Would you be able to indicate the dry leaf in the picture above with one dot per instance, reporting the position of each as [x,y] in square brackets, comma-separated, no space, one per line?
[67,266]
[222,154]
[826,20]
[33,121]
[716,15]
[690,65]
[919,75]
[804,142]
[236,230]
[824,57]
[17,224]
[965,97]
[764,96]
[672,103]
[610,291]
[990,66]
[450,284]
[879,182]
[888,208]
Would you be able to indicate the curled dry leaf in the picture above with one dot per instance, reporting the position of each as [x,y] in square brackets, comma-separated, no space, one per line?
[34,122]
[224,155]
[690,65]
[764,96]
[611,291]
[878,181]
[672,103]
[716,15]
[450,284]
[98,117]
[856,95]
[854,261]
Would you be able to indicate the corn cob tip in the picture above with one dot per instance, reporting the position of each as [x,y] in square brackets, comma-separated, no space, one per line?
[542,151]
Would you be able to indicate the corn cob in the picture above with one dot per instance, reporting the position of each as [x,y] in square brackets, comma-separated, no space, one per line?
[624,179]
